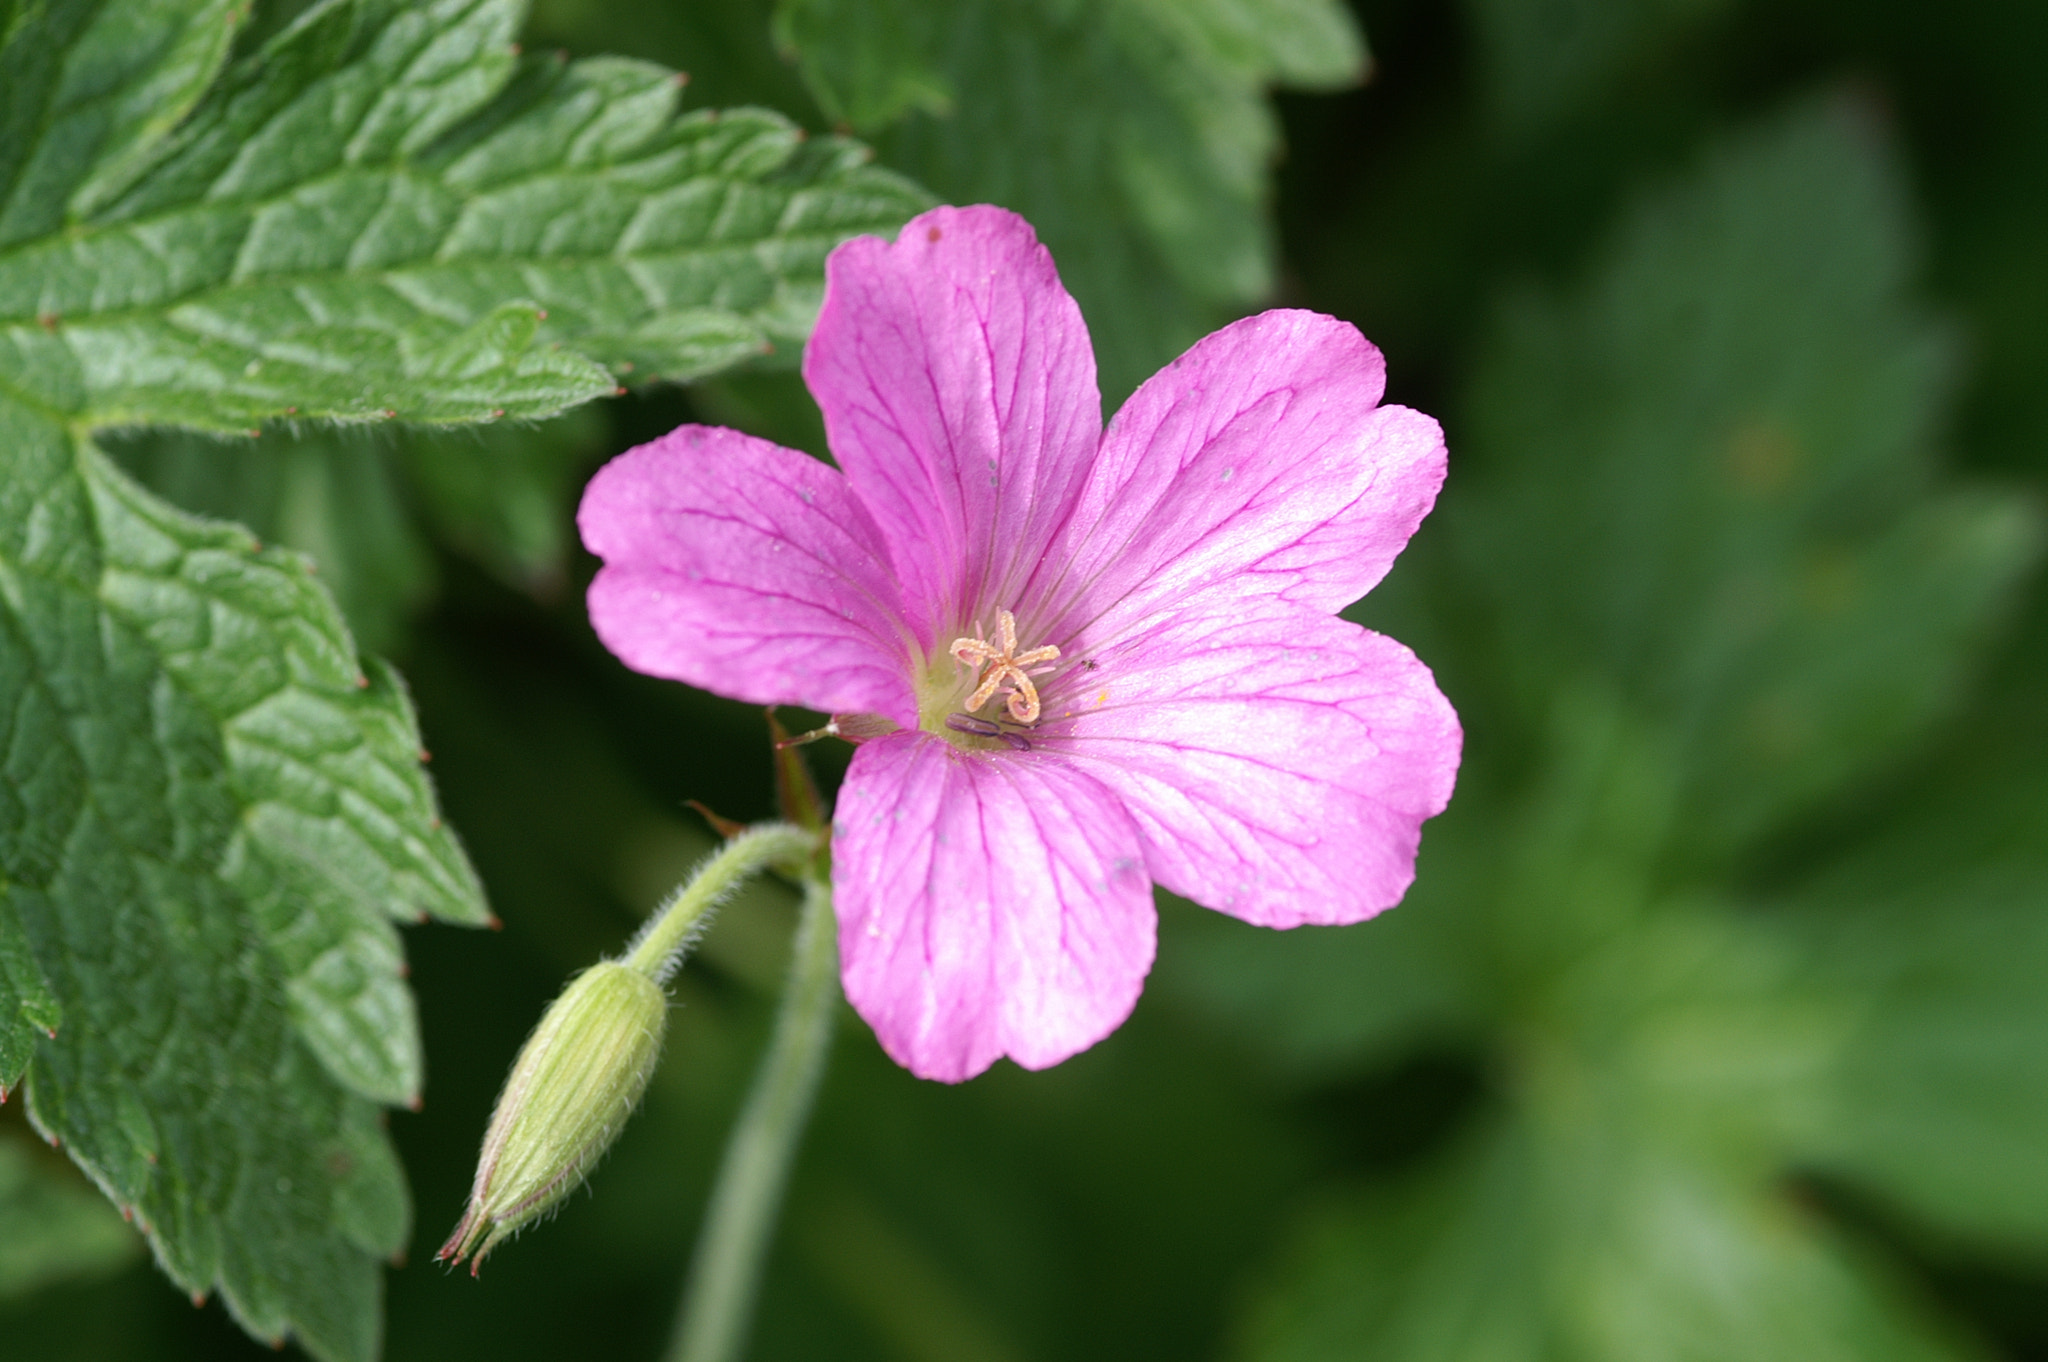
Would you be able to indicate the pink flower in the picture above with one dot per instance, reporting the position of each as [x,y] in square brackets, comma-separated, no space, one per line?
[1079,661]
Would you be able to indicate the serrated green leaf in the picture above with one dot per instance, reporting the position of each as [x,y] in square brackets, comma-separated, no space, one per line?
[1522,1247]
[1713,485]
[226,818]
[52,1228]
[384,214]
[1134,134]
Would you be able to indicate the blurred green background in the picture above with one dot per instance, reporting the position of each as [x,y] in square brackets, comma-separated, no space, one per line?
[1716,1026]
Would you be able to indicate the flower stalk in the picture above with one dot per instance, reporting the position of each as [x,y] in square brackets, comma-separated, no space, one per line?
[673,928]
[725,1270]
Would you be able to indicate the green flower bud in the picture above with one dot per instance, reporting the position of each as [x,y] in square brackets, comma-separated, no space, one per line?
[568,1096]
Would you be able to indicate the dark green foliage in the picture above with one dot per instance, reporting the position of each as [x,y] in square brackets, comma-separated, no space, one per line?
[1713,1027]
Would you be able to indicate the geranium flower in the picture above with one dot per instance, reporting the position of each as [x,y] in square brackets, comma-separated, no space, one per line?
[1077,661]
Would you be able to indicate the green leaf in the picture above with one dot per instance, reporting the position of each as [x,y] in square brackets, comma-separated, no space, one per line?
[77,130]
[219,821]
[1526,1247]
[1133,133]
[1939,923]
[384,213]
[1712,483]
[52,1227]
[334,495]
[28,1009]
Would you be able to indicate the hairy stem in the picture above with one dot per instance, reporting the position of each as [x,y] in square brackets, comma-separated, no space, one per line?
[676,923]
[725,1272]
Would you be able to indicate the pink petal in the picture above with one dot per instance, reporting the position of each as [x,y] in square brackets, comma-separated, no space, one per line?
[958,386]
[1280,763]
[988,905]
[1260,464]
[746,569]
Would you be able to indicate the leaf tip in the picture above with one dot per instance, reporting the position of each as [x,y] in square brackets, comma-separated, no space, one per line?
[425,756]
[198,1300]
[362,681]
[415,1103]
[495,923]
[619,391]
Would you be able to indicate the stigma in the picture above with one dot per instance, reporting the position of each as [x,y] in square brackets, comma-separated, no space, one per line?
[1006,668]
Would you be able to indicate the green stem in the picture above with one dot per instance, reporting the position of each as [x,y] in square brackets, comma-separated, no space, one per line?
[725,1272]
[677,922]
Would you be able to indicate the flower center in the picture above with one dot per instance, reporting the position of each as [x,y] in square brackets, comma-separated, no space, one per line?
[974,674]
[999,664]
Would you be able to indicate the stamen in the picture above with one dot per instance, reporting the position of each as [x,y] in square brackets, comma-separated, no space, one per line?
[987,728]
[830,730]
[1006,667]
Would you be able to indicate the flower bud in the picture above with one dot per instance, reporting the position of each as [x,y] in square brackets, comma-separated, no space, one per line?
[568,1096]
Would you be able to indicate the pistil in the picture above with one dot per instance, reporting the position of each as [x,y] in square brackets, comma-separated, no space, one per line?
[1005,666]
